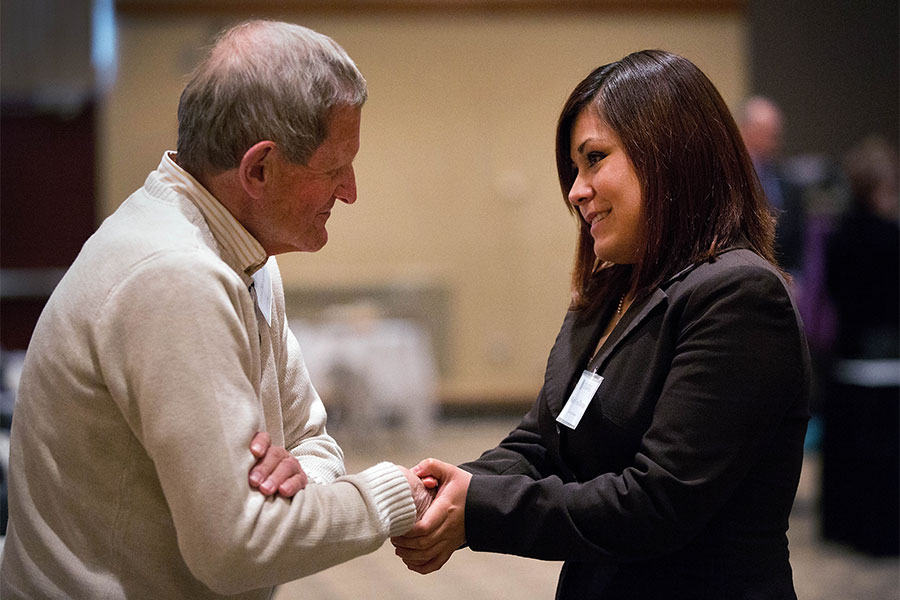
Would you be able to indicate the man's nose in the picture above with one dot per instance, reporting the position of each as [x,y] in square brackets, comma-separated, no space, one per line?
[346,189]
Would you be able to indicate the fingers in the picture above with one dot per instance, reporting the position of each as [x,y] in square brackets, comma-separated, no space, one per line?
[276,471]
[433,539]
[425,561]
[287,478]
[430,566]
[421,534]
[419,556]
[265,466]
[293,485]
[432,467]
[259,444]
[418,548]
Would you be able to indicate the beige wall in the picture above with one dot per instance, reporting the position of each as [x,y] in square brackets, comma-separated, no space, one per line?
[456,174]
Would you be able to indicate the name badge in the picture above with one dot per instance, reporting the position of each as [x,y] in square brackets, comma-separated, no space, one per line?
[580,399]
[262,284]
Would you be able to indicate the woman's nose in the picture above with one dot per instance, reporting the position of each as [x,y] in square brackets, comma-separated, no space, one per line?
[580,193]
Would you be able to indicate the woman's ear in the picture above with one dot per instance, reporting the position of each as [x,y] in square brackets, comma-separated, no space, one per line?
[255,168]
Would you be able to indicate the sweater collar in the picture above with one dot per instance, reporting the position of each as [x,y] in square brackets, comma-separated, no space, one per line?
[228,231]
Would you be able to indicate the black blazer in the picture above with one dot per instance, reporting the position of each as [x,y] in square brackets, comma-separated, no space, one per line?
[680,477]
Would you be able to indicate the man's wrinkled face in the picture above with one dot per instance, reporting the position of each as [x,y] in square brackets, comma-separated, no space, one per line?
[299,198]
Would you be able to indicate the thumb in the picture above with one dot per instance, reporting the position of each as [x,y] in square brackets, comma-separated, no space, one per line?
[430,467]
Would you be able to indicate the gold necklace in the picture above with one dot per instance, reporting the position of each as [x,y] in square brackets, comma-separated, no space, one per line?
[613,326]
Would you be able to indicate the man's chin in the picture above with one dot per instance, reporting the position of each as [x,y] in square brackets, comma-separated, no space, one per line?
[305,245]
[316,245]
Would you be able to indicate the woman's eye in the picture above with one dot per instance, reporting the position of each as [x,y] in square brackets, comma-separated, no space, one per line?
[594,157]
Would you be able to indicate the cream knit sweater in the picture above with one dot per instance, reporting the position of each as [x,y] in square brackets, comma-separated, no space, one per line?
[148,373]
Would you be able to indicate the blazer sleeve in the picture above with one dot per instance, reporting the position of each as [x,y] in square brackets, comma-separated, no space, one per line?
[737,367]
[521,452]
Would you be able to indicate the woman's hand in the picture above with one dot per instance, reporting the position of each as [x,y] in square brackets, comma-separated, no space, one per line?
[441,531]
[275,471]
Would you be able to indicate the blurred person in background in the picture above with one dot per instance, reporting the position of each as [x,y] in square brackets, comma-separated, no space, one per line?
[164,349]
[861,490]
[762,128]
[663,453]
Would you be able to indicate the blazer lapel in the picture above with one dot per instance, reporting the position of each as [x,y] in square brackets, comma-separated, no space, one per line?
[577,339]
[571,354]
[636,315]
[630,320]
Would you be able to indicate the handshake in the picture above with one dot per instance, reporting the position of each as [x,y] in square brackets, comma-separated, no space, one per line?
[439,491]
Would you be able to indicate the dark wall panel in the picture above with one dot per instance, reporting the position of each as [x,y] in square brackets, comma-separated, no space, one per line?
[46,207]
[833,66]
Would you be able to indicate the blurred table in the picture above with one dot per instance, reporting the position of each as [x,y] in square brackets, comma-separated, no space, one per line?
[372,373]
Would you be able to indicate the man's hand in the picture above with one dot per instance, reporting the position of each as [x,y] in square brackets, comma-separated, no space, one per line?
[422,490]
[441,531]
[275,471]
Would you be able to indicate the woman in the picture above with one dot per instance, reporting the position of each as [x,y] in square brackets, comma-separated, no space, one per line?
[675,478]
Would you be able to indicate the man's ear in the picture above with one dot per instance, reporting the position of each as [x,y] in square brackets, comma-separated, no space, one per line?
[255,168]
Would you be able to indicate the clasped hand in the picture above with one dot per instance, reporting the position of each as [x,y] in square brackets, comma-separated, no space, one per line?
[441,531]
[276,471]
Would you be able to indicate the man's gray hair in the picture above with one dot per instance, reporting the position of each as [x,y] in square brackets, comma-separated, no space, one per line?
[263,80]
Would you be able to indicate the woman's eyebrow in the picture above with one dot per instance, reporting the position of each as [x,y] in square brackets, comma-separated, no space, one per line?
[580,148]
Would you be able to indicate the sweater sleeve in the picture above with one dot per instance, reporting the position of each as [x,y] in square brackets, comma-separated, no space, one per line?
[737,370]
[172,340]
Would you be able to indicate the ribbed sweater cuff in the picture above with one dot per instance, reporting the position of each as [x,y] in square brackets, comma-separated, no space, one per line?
[393,497]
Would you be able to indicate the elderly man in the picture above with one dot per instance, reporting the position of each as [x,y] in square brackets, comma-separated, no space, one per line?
[164,348]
